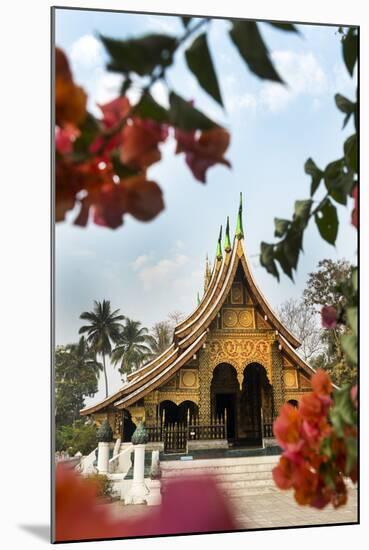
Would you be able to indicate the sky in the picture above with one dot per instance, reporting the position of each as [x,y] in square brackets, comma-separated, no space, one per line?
[148,270]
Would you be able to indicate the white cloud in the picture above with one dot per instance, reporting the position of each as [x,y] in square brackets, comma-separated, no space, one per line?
[163,272]
[301,72]
[140,261]
[87,52]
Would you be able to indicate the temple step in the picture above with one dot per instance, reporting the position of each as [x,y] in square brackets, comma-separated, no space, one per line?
[236,477]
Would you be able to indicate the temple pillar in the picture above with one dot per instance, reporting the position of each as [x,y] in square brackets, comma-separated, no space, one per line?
[277,378]
[205,377]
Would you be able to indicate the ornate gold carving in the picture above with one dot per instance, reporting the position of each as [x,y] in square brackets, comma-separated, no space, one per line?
[237,293]
[171,383]
[261,322]
[246,318]
[179,396]
[230,318]
[240,352]
[290,379]
[238,318]
[188,378]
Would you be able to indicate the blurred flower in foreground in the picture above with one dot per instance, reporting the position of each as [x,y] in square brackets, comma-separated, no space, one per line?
[319,442]
[189,505]
[329,317]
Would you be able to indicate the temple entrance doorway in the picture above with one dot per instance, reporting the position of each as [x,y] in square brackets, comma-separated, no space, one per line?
[225,407]
[256,404]
[128,426]
[224,396]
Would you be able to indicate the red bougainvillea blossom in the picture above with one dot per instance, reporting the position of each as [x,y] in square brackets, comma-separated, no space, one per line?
[316,477]
[329,317]
[188,506]
[203,149]
[101,164]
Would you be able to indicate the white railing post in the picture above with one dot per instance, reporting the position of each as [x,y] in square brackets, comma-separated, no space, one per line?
[138,492]
[103,457]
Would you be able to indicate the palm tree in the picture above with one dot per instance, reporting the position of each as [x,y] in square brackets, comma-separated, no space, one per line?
[132,346]
[160,338]
[104,328]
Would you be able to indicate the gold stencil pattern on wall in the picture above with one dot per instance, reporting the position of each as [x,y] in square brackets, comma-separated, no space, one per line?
[242,318]
[237,293]
[230,318]
[188,378]
[290,379]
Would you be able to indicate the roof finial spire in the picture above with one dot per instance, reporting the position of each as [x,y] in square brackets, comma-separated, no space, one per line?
[239,226]
[198,298]
[219,245]
[207,276]
[227,239]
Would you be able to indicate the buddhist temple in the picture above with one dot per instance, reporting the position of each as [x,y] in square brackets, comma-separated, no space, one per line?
[230,367]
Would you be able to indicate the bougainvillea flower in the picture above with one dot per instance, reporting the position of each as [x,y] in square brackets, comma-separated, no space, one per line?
[79,515]
[311,407]
[114,111]
[144,198]
[287,428]
[321,383]
[329,317]
[354,215]
[110,206]
[70,100]
[203,150]
[64,138]
[283,473]
[353,395]
[140,141]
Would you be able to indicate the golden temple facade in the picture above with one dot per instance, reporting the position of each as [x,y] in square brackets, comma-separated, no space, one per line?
[230,367]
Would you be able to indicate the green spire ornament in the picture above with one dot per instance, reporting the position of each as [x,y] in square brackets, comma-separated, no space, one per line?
[104,434]
[227,239]
[239,226]
[219,245]
[140,435]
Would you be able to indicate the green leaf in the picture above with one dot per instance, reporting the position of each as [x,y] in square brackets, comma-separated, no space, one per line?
[339,183]
[186,117]
[354,279]
[288,27]
[292,245]
[186,21]
[315,173]
[281,227]
[280,256]
[349,346]
[147,107]
[352,450]
[140,55]
[350,49]
[351,313]
[247,39]
[346,106]
[302,212]
[326,220]
[201,65]
[350,149]
[267,259]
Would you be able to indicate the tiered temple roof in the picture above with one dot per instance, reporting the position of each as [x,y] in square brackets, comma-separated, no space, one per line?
[190,334]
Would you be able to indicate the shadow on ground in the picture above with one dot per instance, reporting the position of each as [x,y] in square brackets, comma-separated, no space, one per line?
[40,531]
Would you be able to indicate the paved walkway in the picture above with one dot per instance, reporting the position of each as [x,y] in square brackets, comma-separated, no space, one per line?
[273,509]
[279,509]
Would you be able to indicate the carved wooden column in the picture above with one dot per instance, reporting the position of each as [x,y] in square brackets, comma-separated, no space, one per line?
[205,377]
[277,378]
